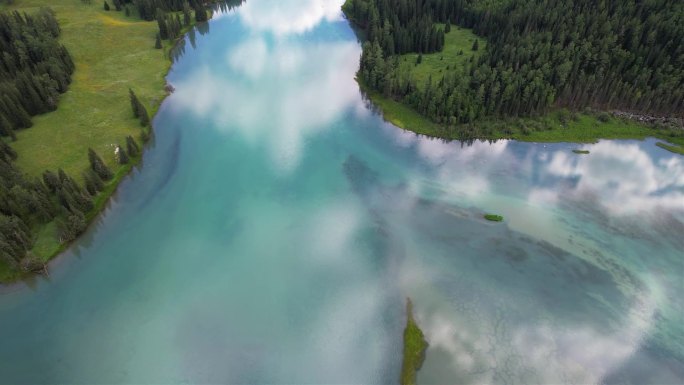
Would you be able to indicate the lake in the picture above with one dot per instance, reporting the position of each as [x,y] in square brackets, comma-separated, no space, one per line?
[278,224]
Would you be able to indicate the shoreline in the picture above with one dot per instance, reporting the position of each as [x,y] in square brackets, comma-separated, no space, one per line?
[621,125]
[101,200]
[406,118]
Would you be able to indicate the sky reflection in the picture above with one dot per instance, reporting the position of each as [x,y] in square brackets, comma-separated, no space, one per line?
[278,225]
[285,17]
[283,89]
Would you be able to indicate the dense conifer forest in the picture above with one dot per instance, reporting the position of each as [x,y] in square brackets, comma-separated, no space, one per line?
[541,54]
[34,68]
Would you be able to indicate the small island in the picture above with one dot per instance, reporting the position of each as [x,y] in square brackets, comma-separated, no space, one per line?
[582,152]
[414,348]
[493,217]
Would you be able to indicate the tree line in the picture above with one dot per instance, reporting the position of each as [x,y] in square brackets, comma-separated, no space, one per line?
[541,54]
[34,68]
[26,203]
[397,30]
[148,9]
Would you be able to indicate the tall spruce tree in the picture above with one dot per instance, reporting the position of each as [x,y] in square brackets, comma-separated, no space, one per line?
[98,165]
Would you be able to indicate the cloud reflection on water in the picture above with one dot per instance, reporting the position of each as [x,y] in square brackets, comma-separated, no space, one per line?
[290,89]
[294,16]
[478,345]
[624,176]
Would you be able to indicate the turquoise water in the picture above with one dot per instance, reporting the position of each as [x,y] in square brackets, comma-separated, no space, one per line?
[278,224]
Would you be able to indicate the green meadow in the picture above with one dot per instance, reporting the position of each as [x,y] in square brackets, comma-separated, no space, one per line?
[112,53]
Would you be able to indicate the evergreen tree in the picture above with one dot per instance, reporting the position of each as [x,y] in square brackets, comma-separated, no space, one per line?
[6,128]
[200,12]
[92,182]
[52,181]
[121,155]
[186,14]
[158,42]
[71,227]
[106,6]
[135,103]
[162,24]
[98,165]
[132,146]
[144,117]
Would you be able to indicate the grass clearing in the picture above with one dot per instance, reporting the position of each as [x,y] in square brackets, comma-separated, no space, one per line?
[112,53]
[438,63]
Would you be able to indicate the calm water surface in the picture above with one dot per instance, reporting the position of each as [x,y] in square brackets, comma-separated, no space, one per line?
[278,225]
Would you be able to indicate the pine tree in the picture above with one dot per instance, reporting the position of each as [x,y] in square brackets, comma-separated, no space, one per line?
[476,45]
[6,128]
[144,117]
[98,165]
[6,152]
[186,14]
[106,6]
[158,42]
[162,24]
[121,154]
[447,27]
[135,103]
[93,182]
[71,227]
[132,146]
[200,12]
[52,181]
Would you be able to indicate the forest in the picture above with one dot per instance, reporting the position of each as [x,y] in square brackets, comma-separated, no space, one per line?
[540,55]
[34,68]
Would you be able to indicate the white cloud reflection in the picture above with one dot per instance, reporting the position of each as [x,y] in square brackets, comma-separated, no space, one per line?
[282,92]
[473,346]
[622,176]
[285,17]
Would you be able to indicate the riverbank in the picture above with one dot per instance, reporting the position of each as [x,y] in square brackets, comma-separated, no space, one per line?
[557,126]
[112,53]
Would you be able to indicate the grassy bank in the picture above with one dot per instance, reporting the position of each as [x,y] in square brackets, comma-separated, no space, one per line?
[583,128]
[414,348]
[112,53]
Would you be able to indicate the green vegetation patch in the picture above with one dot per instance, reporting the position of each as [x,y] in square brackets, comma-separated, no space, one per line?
[112,53]
[414,348]
[400,114]
[582,152]
[456,52]
[494,217]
